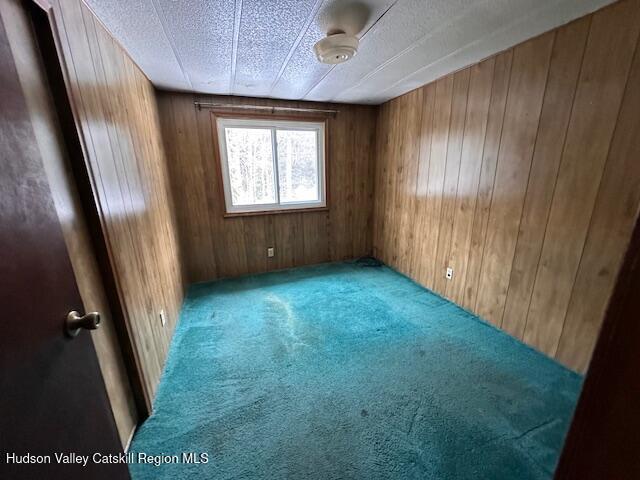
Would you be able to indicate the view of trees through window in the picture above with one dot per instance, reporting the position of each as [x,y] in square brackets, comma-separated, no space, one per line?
[251,166]
[297,165]
[250,161]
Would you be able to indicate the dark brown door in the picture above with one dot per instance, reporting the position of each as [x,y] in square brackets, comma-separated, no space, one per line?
[52,395]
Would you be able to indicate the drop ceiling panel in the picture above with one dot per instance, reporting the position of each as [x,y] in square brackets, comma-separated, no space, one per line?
[473,35]
[264,48]
[303,71]
[392,35]
[138,28]
[202,34]
[264,45]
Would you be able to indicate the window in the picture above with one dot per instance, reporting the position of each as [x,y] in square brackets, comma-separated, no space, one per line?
[272,164]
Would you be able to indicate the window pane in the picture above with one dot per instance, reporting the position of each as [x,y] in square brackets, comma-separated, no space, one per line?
[297,165]
[250,161]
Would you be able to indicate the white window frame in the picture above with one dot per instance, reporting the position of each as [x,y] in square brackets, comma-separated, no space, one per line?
[272,125]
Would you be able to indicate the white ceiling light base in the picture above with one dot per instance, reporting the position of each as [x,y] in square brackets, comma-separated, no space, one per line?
[336,48]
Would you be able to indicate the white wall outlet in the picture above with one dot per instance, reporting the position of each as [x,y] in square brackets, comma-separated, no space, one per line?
[449,274]
[163,318]
[271,252]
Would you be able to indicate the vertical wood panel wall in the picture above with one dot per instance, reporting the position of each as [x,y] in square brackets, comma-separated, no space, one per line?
[119,127]
[49,137]
[522,173]
[216,247]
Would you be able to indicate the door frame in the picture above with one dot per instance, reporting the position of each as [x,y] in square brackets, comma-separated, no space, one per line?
[46,33]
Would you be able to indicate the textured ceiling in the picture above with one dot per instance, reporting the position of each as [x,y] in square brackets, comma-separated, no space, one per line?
[264,48]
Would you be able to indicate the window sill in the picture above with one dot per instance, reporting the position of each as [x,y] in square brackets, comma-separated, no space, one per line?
[276,212]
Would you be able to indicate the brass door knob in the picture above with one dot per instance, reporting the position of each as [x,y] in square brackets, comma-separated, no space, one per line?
[76,322]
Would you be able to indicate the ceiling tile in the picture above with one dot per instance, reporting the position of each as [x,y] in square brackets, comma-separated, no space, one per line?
[265,47]
[303,70]
[139,30]
[202,32]
[268,32]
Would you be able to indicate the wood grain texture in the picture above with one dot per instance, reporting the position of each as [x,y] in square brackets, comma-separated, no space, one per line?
[75,230]
[605,70]
[556,110]
[116,111]
[451,174]
[546,186]
[499,89]
[612,221]
[522,112]
[216,246]
[469,178]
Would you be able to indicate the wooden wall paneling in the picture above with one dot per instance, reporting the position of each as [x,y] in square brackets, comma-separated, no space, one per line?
[188,184]
[50,138]
[497,105]
[524,103]
[222,246]
[531,195]
[418,219]
[121,148]
[383,134]
[339,133]
[364,179]
[608,55]
[224,249]
[289,240]
[348,156]
[406,193]
[390,182]
[451,176]
[395,171]
[564,69]
[316,241]
[615,213]
[481,77]
[437,166]
[257,234]
[118,123]
[229,239]
[106,181]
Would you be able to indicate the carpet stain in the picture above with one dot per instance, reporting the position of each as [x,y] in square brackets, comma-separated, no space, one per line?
[270,375]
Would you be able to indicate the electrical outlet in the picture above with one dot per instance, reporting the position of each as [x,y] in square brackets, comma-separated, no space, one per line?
[271,252]
[449,274]
[163,319]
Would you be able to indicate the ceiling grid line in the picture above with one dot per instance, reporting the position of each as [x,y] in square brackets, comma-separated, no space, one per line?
[296,43]
[265,48]
[459,49]
[321,79]
[170,40]
[404,51]
[237,18]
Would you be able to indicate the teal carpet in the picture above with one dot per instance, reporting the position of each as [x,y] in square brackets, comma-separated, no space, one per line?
[342,371]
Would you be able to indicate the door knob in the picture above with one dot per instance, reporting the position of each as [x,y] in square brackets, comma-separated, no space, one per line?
[76,322]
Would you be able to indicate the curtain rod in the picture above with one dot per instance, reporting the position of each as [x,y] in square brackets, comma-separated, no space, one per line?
[200,105]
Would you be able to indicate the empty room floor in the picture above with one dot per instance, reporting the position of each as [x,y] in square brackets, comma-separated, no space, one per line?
[347,370]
